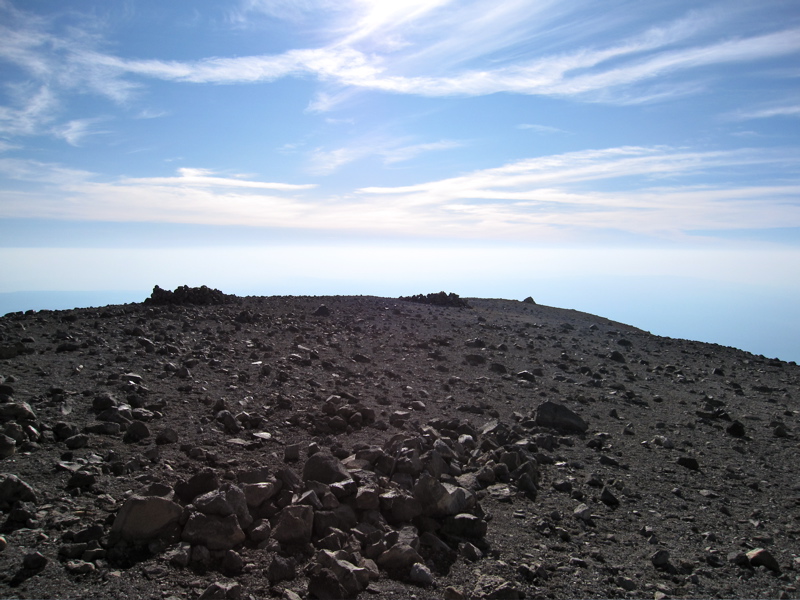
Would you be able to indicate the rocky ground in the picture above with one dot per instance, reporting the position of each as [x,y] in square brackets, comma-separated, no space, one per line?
[202,445]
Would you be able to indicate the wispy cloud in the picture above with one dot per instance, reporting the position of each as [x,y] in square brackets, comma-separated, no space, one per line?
[571,74]
[36,108]
[193,196]
[403,153]
[151,114]
[433,48]
[287,10]
[52,65]
[791,110]
[74,132]
[655,192]
[208,178]
[540,128]
[390,151]
[325,162]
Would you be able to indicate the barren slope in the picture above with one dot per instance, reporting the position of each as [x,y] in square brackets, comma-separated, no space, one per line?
[168,448]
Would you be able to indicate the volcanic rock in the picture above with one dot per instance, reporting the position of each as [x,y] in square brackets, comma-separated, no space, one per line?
[398,560]
[13,490]
[759,557]
[144,518]
[324,468]
[556,416]
[213,532]
[294,525]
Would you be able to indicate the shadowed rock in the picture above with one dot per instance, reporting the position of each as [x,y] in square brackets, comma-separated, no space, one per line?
[144,518]
[556,416]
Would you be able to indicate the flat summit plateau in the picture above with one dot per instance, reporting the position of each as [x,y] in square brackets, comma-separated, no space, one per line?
[200,445]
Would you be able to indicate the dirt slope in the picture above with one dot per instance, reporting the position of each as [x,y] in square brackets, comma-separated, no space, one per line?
[500,450]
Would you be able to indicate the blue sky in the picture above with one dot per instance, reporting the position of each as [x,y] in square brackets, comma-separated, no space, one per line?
[571,150]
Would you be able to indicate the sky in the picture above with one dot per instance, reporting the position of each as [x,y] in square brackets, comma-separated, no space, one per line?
[637,160]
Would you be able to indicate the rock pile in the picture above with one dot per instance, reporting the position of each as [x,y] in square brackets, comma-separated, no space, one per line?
[438,299]
[406,509]
[182,295]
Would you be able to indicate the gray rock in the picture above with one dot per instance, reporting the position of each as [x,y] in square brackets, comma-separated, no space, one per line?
[492,587]
[759,557]
[294,524]
[104,401]
[34,561]
[15,432]
[352,579]
[179,555]
[556,416]
[281,568]
[213,503]
[103,428]
[144,518]
[229,422]
[368,498]
[202,482]
[238,502]
[257,475]
[323,585]
[660,559]
[88,534]
[147,344]
[81,479]
[322,311]
[736,429]
[583,512]
[291,453]
[342,517]
[213,532]
[626,583]
[117,414]
[421,575]
[222,591]
[63,431]
[465,525]
[689,462]
[201,556]
[325,468]
[607,498]
[74,442]
[399,507]
[16,411]
[13,489]
[261,531]
[232,563]
[527,376]
[398,560]
[442,499]
[739,559]
[257,493]
[435,543]
[79,567]
[136,432]
[167,436]
[453,593]
[8,446]
[500,491]
[470,551]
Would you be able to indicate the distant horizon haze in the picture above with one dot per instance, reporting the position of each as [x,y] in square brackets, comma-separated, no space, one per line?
[763,322]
